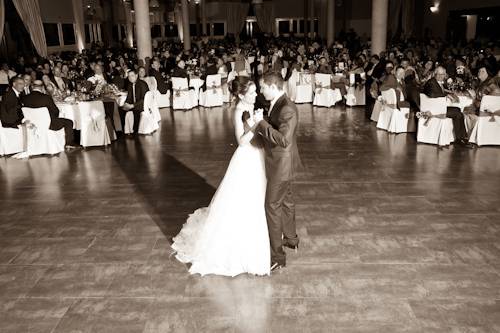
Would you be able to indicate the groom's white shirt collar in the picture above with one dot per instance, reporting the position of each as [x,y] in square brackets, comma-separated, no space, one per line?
[274,102]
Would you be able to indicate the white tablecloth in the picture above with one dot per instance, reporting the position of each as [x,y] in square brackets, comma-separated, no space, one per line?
[72,112]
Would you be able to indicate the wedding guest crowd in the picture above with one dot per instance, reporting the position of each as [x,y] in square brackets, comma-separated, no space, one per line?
[411,67]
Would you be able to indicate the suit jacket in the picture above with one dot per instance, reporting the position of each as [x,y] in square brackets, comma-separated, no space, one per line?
[279,131]
[37,99]
[432,89]
[10,109]
[141,88]
[391,82]
[179,72]
[160,82]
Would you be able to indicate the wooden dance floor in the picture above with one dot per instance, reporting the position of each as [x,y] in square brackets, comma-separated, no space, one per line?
[395,236]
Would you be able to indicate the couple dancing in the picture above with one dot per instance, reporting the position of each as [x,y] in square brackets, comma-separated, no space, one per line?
[251,216]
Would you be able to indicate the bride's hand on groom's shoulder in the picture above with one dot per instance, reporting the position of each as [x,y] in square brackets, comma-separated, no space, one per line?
[245,116]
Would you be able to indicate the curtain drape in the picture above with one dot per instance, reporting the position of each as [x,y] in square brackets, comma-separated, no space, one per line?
[265,17]
[407,17]
[2,19]
[29,11]
[236,14]
[394,16]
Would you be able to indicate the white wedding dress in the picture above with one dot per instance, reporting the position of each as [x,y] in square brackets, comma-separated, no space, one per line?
[230,236]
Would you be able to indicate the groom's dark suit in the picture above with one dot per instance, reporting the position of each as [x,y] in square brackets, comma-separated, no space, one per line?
[282,161]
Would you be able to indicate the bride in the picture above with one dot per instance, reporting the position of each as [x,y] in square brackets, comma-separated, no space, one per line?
[230,236]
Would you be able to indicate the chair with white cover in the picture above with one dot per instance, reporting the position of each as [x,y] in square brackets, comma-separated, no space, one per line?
[11,140]
[183,98]
[41,139]
[163,100]
[355,94]
[304,93]
[213,95]
[324,95]
[94,131]
[388,107]
[400,120]
[487,128]
[433,126]
[149,122]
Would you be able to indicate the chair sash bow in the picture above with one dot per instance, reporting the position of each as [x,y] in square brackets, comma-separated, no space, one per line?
[491,114]
[178,91]
[427,115]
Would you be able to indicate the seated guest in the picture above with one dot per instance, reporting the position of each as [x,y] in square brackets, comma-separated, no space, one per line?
[436,87]
[141,72]
[61,82]
[51,88]
[154,71]
[5,75]
[98,77]
[38,99]
[135,98]
[27,85]
[11,114]
[180,70]
[397,83]
[324,67]
[480,90]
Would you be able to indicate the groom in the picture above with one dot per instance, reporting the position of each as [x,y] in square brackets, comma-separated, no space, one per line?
[279,131]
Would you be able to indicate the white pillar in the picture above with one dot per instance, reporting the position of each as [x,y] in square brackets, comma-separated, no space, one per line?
[185,24]
[143,29]
[129,28]
[471,27]
[330,22]
[203,18]
[79,24]
[178,21]
[379,25]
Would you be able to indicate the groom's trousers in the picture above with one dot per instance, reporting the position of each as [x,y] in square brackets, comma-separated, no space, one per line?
[280,214]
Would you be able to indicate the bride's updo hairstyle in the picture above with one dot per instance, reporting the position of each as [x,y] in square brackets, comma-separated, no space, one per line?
[239,86]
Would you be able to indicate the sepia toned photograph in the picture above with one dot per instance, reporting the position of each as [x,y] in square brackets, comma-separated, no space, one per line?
[249,166]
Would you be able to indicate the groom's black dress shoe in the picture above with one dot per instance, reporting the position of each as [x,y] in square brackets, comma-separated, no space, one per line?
[291,243]
[276,266]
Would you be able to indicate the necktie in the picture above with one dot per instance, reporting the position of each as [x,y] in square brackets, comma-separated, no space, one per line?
[133,92]
[27,91]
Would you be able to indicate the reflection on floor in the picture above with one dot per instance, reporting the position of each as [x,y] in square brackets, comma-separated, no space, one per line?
[395,236]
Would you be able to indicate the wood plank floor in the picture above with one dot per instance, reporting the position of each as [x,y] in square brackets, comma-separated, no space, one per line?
[395,236]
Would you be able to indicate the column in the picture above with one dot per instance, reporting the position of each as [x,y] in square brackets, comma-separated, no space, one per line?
[129,28]
[185,25]
[178,21]
[471,27]
[330,22]
[306,24]
[79,24]
[203,18]
[379,25]
[143,30]
[311,16]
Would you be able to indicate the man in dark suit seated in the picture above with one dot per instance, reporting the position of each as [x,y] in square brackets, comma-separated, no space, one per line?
[136,91]
[180,70]
[11,114]
[397,83]
[435,87]
[38,99]
[155,72]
